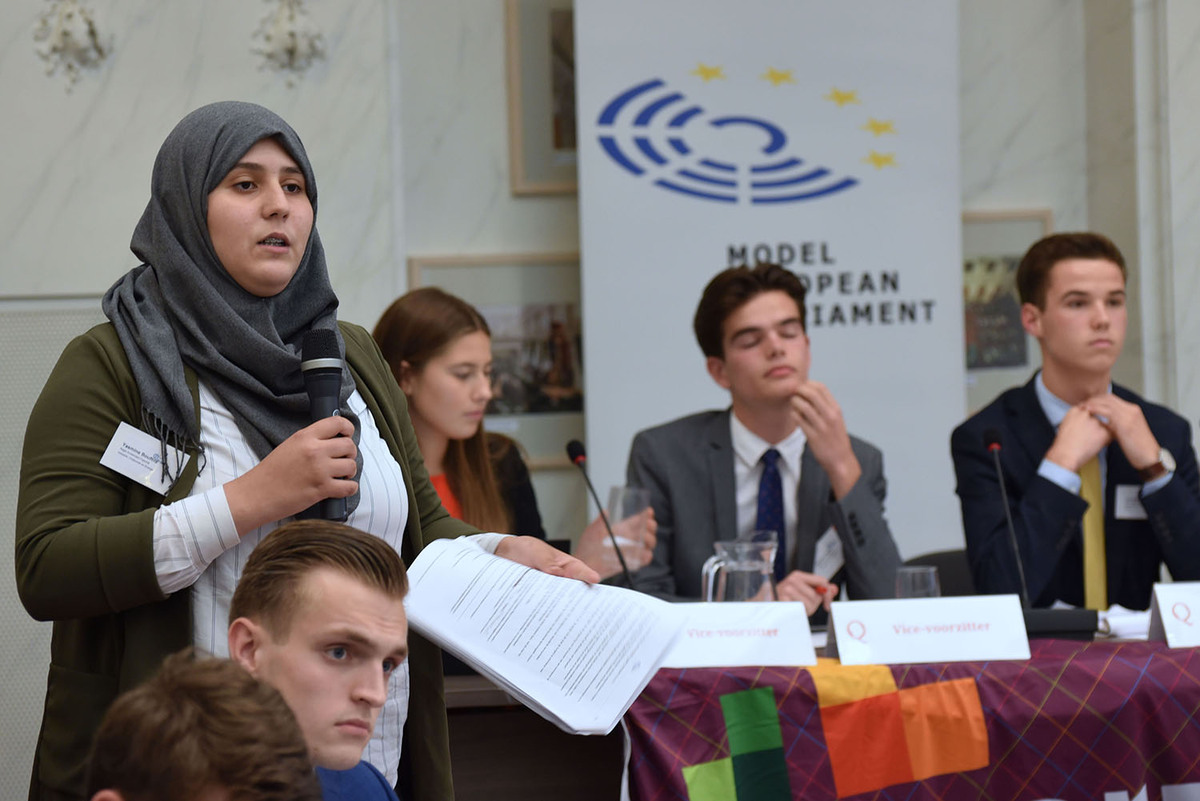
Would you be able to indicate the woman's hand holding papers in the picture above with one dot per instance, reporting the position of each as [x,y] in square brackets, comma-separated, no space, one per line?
[543,556]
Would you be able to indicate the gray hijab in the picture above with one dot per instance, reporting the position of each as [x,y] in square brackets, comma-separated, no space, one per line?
[181,307]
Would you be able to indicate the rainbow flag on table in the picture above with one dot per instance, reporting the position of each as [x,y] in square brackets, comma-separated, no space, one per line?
[876,734]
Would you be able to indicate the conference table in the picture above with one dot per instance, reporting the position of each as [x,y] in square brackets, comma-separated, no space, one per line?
[1094,721]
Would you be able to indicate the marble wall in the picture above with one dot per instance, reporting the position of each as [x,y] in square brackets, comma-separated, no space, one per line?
[1023,107]
[1179,184]
[77,163]
[1112,163]
[455,140]
[1024,126]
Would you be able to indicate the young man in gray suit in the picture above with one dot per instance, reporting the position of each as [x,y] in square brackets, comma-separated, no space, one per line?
[779,458]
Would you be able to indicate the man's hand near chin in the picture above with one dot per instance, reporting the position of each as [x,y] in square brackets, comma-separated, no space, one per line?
[543,556]
[818,414]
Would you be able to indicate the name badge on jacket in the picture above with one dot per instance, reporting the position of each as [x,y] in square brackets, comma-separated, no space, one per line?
[1128,502]
[136,455]
[828,557]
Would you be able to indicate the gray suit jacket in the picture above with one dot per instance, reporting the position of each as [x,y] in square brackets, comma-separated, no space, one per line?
[687,465]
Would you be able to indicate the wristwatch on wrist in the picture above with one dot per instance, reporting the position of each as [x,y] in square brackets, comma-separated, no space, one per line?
[1164,465]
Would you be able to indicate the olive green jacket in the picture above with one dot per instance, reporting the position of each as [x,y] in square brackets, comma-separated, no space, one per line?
[84,559]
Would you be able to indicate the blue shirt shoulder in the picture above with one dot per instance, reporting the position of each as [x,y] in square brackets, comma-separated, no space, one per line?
[360,783]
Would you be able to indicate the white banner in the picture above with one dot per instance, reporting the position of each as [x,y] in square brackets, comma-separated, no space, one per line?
[823,136]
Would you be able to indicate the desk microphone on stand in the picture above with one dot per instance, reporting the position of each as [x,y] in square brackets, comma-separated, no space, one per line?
[1073,624]
[578,457]
[991,440]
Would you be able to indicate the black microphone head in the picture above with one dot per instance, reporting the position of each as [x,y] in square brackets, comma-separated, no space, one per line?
[576,452]
[319,348]
[991,438]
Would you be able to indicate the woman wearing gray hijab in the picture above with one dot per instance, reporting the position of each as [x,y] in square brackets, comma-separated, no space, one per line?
[168,441]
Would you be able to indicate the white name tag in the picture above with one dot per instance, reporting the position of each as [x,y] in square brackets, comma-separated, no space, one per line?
[828,557]
[1129,502]
[973,628]
[136,455]
[740,634]
[1175,614]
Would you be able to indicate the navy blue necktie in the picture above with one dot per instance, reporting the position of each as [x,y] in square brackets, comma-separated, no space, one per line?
[770,508]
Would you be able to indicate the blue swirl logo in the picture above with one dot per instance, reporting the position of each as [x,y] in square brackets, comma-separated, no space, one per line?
[654,132]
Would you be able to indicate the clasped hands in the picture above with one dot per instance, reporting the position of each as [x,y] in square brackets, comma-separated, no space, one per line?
[1090,426]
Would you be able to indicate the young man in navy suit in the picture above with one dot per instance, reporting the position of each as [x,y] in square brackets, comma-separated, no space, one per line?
[1102,485]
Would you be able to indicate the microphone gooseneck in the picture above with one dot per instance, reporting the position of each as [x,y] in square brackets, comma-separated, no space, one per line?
[578,457]
[991,441]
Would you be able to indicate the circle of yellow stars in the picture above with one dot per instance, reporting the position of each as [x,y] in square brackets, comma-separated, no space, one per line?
[839,97]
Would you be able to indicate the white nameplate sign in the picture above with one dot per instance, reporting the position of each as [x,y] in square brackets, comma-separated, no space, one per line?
[965,629]
[1175,614]
[739,634]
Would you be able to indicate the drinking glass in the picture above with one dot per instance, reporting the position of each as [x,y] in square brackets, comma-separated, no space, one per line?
[626,507]
[917,581]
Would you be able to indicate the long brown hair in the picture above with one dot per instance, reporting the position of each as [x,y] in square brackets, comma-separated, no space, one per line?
[417,327]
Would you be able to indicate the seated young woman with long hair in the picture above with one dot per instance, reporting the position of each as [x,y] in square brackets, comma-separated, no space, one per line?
[440,350]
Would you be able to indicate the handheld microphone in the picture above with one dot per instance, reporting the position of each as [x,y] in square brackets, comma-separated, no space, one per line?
[991,441]
[578,456]
[321,364]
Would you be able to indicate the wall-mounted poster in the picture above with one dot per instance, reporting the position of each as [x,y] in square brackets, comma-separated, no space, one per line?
[541,97]
[997,351]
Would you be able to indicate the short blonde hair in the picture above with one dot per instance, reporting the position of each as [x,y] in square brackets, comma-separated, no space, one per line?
[270,582]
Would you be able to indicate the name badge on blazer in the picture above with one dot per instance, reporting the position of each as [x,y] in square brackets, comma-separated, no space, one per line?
[1128,502]
[138,456]
[828,557]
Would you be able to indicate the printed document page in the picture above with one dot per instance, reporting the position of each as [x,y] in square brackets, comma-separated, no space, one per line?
[576,654]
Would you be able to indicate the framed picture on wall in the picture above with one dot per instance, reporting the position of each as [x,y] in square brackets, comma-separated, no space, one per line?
[997,351]
[541,96]
[531,304]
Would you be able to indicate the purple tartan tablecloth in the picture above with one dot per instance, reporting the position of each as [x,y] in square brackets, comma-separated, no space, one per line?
[1075,722]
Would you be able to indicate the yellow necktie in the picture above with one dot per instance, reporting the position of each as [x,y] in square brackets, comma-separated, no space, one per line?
[1095,577]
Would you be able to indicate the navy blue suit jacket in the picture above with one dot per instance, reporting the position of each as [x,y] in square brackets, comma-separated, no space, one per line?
[1048,519]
